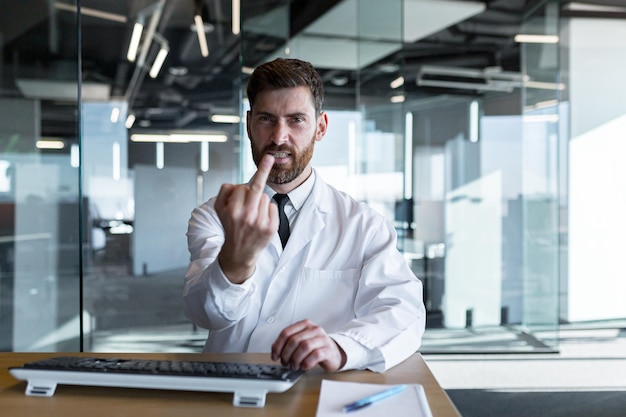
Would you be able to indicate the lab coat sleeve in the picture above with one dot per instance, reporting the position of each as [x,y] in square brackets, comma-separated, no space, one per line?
[389,308]
[210,300]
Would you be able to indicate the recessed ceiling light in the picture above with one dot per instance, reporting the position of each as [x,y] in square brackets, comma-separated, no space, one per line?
[339,80]
[389,67]
[178,71]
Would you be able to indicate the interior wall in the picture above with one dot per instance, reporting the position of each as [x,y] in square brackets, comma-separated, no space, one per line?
[597,197]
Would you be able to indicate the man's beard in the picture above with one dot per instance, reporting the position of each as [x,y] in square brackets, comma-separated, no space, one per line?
[281,174]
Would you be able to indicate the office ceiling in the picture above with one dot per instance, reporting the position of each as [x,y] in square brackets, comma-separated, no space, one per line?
[40,61]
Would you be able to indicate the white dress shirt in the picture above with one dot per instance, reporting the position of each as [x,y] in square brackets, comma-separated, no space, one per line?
[339,269]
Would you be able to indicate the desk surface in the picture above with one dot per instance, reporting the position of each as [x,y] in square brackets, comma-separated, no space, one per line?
[301,400]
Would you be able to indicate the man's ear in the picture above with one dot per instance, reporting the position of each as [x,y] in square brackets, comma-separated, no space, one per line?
[322,125]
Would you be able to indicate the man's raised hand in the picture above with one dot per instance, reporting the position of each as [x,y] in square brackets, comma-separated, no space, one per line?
[250,221]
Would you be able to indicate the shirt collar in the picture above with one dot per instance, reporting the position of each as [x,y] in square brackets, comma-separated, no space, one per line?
[298,196]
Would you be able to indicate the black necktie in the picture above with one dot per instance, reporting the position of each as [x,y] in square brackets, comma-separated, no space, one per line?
[283,227]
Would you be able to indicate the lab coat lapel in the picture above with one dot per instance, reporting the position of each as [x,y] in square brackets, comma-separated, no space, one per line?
[309,222]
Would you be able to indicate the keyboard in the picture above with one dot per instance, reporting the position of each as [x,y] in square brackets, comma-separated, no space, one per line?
[248,382]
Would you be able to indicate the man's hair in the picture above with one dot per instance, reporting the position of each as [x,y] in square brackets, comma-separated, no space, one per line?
[286,73]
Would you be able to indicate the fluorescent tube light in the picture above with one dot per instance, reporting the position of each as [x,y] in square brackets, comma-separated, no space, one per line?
[543,105]
[593,8]
[204,156]
[74,156]
[50,144]
[398,82]
[204,49]
[158,62]
[544,85]
[115,114]
[236,16]
[408,155]
[143,137]
[397,99]
[225,118]
[130,121]
[178,137]
[160,155]
[114,17]
[186,137]
[526,38]
[474,121]
[133,46]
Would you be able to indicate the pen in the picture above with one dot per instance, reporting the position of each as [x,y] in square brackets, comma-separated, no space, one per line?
[364,402]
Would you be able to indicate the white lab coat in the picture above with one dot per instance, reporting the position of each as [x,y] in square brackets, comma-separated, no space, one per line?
[340,269]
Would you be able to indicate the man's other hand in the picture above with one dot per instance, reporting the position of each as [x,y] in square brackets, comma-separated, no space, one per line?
[303,345]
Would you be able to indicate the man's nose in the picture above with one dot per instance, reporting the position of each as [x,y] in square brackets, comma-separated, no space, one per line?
[280,133]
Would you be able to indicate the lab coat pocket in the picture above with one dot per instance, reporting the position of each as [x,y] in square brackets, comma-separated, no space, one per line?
[326,297]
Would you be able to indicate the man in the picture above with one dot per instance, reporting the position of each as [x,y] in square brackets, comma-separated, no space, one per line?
[339,294]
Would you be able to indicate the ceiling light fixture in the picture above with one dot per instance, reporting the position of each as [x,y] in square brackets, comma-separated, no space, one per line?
[236,24]
[133,46]
[130,121]
[179,137]
[225,118]
[487,79]
[160,155]
[204,49]
[544,85]
[154,11]
[86,11]
[178,71]
[115,114]
[583,7]
[528,38]
[138,27]
[50,144]
[158,62]
[160,58]
[204,156]
[398,82]
[474,121]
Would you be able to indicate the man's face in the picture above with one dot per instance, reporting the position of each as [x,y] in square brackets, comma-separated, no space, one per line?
[283,124]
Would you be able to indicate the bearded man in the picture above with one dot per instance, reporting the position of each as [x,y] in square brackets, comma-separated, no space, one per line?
[288,265]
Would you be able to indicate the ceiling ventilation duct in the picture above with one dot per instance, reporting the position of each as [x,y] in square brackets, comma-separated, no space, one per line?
[487,79]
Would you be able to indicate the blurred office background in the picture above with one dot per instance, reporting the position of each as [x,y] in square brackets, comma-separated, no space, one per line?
[490,132]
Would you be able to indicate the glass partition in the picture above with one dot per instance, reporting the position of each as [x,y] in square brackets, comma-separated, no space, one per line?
[541,191]
[161,144]
[486,189]
[40,201]
[455,140]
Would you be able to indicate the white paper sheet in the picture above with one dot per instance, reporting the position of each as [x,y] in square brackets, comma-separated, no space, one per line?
[334,395]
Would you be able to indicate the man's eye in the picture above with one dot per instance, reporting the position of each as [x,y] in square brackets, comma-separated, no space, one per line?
[298,119]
